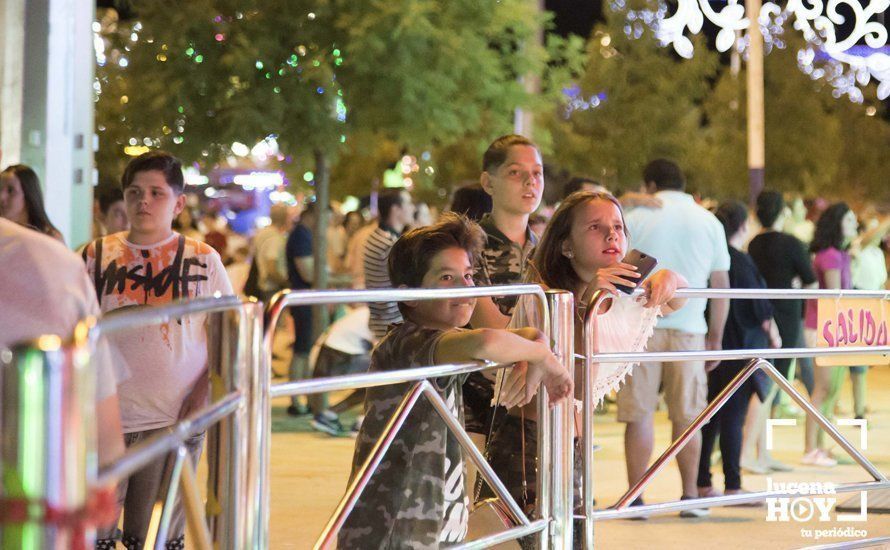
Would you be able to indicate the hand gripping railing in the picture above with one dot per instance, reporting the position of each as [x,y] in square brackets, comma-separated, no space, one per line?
[48,391]
[555,426]
[592,356]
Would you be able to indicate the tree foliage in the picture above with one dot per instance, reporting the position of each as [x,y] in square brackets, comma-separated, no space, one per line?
[348,78]
[639,101]
[634,101]
[364,82]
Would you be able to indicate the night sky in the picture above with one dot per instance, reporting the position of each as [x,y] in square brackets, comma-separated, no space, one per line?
[574,16]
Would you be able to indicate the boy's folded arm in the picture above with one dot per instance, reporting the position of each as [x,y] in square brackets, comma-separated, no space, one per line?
[499,346]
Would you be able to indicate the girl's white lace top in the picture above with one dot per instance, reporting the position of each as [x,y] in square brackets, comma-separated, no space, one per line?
[626,327]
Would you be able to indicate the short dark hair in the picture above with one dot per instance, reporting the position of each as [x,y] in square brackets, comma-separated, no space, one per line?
[309,209]
[108,195]
[387,199]
[161,161]
[732,215]
[576,184]
[665,174]
[769,205]
[829,233]
[472,201]
[496,153]
[353,214]
[410,256]
[31,192]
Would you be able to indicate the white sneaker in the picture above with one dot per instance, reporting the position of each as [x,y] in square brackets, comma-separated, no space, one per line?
[818,457]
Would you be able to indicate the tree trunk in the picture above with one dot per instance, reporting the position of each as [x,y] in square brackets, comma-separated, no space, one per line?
[320,315]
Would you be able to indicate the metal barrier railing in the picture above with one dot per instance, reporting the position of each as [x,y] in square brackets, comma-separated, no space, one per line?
[592,356]
[50,392]
[48,448]
[554,425]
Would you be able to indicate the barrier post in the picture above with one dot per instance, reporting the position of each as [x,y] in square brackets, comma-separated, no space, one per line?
[589,346]
[48,449]
[562,420]
[258,415]
[231,337]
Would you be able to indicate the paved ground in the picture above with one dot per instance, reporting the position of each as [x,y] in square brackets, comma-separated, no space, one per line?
[309,472]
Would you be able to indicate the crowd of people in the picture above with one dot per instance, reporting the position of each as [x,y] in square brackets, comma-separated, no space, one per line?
[151,248]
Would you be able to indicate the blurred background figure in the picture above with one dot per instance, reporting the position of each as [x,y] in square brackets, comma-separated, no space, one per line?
[472,201]
[537,223]
[21,200]
[112,215]
[268,265]
[187,224]
[423,215]
[835,231]
[355,253]
[301,275]
[583,183]
[797,222]
[868,271]
[749,326]
[344,348]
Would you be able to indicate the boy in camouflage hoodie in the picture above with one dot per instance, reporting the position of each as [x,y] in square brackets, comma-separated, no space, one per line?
[416,498]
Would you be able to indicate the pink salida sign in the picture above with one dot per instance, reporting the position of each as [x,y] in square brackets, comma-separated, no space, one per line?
[850,322]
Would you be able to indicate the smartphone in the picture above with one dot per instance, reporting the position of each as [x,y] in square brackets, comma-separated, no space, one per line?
[644,264]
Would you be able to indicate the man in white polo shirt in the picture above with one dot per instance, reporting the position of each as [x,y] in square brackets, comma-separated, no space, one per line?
[688,239]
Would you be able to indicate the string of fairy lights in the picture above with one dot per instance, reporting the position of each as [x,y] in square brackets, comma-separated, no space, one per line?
[117,52]
[840,62]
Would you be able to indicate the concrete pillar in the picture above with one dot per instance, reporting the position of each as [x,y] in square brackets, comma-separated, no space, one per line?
[47,103]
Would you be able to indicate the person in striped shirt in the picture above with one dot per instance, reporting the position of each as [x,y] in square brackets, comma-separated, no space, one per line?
[396,209]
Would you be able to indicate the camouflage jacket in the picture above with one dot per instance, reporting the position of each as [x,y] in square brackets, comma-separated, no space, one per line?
[416,498]
[503,262]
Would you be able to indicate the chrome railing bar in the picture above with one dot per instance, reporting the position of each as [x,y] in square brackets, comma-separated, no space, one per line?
[141,317]
[725,500]
[511,534]
[196,530]
[373,379]
[589,349]
[457,430]
[726,355]
[170,499]
[820,419]
[286,298]
[776,293]
[688,433]
[363,476]
[341,296]
[864,543]
[712,408]
[144,452]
